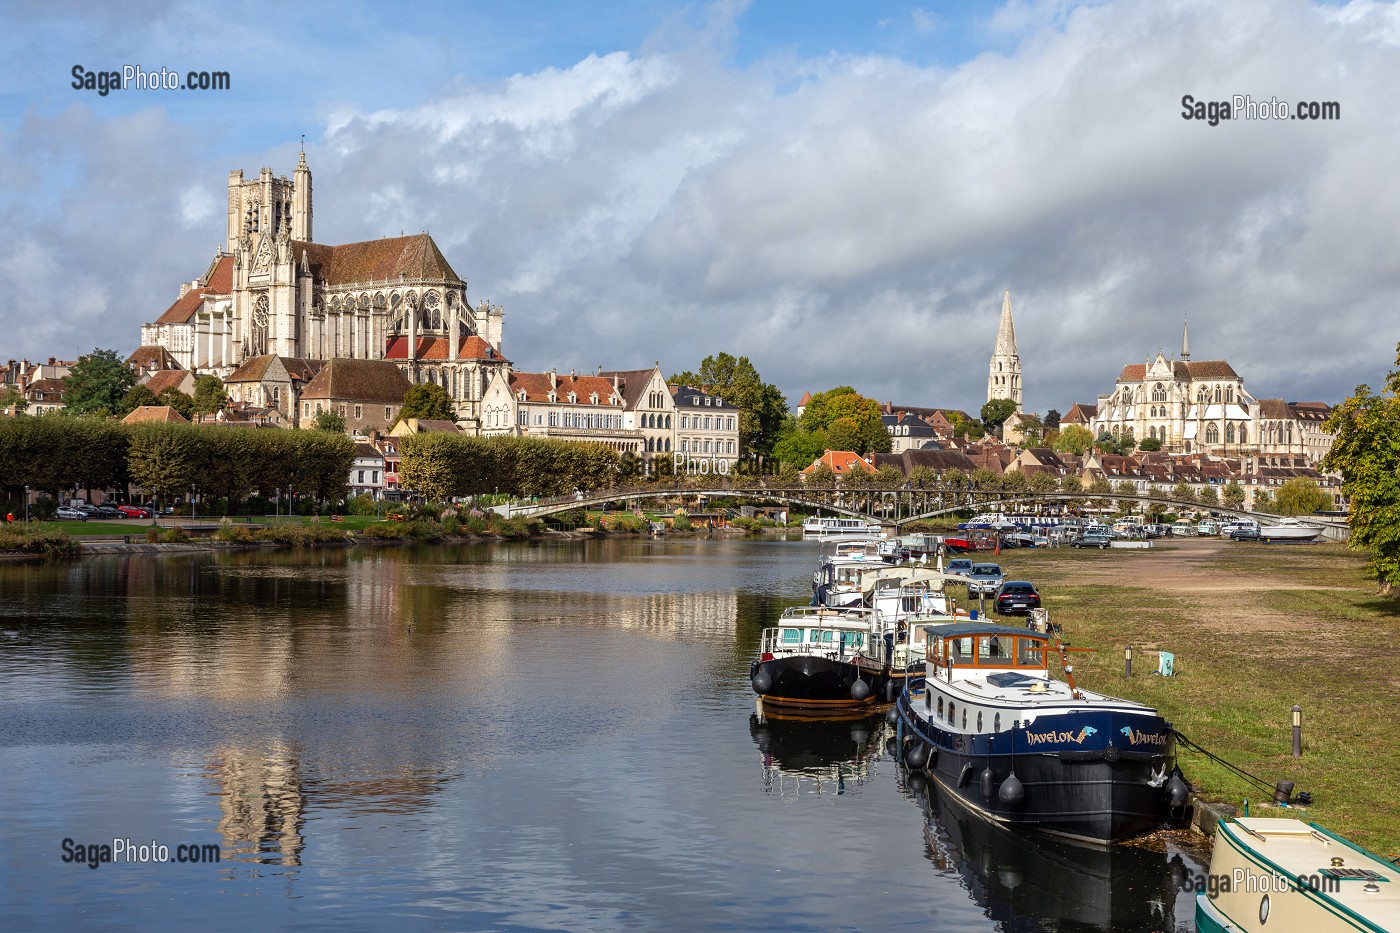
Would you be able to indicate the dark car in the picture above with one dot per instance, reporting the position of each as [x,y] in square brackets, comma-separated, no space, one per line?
[1098,539]
[1245,533]
[1017,596]
[108,511]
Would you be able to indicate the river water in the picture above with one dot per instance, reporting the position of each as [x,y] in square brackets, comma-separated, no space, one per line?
[542,736]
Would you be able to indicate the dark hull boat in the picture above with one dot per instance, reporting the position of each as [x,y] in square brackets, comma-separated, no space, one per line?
[823,662]
[991,727]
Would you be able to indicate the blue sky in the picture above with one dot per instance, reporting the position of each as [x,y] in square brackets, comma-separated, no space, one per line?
[839,190]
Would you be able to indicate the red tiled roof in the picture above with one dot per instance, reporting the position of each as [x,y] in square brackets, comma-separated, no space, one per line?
[436,348]
[537,388]
[1210,369]
[184,308]
[158,413]
[1133,372]
[220,280]
[840,462]
[374,381]
[166,379]
[1274,408]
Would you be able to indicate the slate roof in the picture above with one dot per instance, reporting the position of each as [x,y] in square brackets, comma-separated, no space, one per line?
[374,381]
[631,383]
[415,258]
[686,396]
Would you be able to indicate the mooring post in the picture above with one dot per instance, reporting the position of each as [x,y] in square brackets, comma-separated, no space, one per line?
[1128,661]
[1297,731]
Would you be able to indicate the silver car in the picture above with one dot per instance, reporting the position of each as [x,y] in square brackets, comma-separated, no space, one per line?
[70,514]
[984,580]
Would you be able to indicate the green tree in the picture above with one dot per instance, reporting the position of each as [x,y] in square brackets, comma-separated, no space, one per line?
[1071,482]
[209,395]
[848,417]
[1051,420]
[165,458]
[798,446]
[995,413]
[1184,492]
[1263,502]
[1150,444]
[1209,496]
[1074,439]
[429,401]
[822,477]
[983,478]
[762,407]
[1367,454]
[12,397]
[134,398]
[329,420]
[954,478]
[1043,482]
[964,427]
[174,398]
[1032,430]
[1233,494]
[922,477]
[96,383]
[1299,496]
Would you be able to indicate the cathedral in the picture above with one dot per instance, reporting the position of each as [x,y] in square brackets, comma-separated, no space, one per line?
[272,290]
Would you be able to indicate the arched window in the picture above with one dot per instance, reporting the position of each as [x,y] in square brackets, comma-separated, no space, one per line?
[1229,395]
[1217,395]
[1212,434]
[1159,393]
[1244,438]
[1203,395]
[1230,433]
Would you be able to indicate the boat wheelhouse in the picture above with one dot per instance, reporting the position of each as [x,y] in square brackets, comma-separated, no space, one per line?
[990,725]
[818,661]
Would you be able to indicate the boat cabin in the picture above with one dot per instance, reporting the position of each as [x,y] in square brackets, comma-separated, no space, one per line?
[985,647]
[818,630]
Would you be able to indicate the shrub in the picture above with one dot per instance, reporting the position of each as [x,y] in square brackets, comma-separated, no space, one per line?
[174,536]
[33,541]
[360,505]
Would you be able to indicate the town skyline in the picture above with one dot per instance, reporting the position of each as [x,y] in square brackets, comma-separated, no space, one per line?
[842,205]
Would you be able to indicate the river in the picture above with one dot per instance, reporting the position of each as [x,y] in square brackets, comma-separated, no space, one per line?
[531,736]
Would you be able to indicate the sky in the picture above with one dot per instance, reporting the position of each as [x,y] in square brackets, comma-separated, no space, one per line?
[840,191]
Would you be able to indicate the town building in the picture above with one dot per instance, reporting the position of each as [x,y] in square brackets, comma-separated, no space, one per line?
[367,471]
[270,381]
[909,432]
[707,429]
[575,407]
[648,408]
[367,394]
[840,462]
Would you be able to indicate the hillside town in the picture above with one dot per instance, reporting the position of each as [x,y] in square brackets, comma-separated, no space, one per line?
[294,329]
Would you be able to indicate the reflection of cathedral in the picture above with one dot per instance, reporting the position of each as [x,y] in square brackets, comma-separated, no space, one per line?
[261,806]
[273,290]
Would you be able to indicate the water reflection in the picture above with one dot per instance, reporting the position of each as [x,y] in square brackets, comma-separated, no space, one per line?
[1030,882]
[817,756]
[261,804]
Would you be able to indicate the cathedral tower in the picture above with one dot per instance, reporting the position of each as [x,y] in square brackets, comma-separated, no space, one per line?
[1004,376]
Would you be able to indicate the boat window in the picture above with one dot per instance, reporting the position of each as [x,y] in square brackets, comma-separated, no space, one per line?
[940,707]
[964,722]
[996,723]
[953,713]
[979,720]
[852,639]
[962,649]
[1030,652]
[989,650]
[821,636]
[792,636]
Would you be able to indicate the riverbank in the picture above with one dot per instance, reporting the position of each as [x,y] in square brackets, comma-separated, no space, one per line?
[1254,629]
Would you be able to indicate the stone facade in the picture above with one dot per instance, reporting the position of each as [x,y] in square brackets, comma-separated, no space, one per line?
[1004,373]
[707,428]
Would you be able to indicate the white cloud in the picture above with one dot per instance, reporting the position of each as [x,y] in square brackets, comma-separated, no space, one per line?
[849,219]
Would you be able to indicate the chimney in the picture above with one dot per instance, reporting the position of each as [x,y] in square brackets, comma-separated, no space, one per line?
[553,378]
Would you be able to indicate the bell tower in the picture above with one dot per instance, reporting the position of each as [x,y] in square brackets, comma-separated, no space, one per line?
[1004,375]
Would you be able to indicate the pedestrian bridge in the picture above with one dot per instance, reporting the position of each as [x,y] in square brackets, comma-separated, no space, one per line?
[893,508]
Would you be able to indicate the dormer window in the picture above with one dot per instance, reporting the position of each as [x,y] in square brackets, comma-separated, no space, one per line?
[553,396]
[593,398]
[573,397]
[520,395]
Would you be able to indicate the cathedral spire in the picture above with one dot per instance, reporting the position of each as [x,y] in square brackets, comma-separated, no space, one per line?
[1185,340]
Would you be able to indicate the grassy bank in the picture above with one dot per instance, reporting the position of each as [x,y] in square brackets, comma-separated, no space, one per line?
[1255,629]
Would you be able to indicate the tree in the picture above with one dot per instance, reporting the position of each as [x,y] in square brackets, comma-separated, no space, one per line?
[1184,492]
[428,401]
[762,407]
[1032,430]
[1263,502]
[1051,420]
[964,427]
[954,478]
[1209,496]
[96,383]
[134,398]
[1072,482]
[329,420]
[983,478]
[1043,482]
[174,398]
[1150,444]
[995,413]
[822,477]
[798,446]
[1300,496]
[848,418]
[12,397]
[1367,454]
[1074,439]
[209,395]
[922,477]
[1233,494]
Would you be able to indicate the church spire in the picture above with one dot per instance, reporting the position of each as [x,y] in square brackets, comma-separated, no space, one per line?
[1004,374]
[1006,330]
[1185,340]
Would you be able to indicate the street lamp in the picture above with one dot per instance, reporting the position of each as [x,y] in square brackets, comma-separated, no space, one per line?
[277,504]
[26,504]
[191,504]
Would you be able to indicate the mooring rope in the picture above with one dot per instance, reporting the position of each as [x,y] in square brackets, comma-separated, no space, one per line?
[1221,761]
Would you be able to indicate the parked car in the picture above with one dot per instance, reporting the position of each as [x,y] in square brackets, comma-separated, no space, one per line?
[984,579]
[108,511]
[69,514]
[133,511]
[958,566]
[1245,533]
[1016,596]
[1098,539]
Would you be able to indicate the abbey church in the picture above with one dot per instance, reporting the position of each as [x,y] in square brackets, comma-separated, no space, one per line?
[274,291]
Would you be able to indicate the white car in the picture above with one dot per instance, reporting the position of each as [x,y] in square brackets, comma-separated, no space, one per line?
[69,514]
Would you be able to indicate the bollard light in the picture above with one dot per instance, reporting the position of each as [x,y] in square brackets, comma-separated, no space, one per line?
[1297,731]
[1128,661]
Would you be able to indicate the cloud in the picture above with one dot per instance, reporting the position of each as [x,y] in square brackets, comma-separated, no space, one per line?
[855,218]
